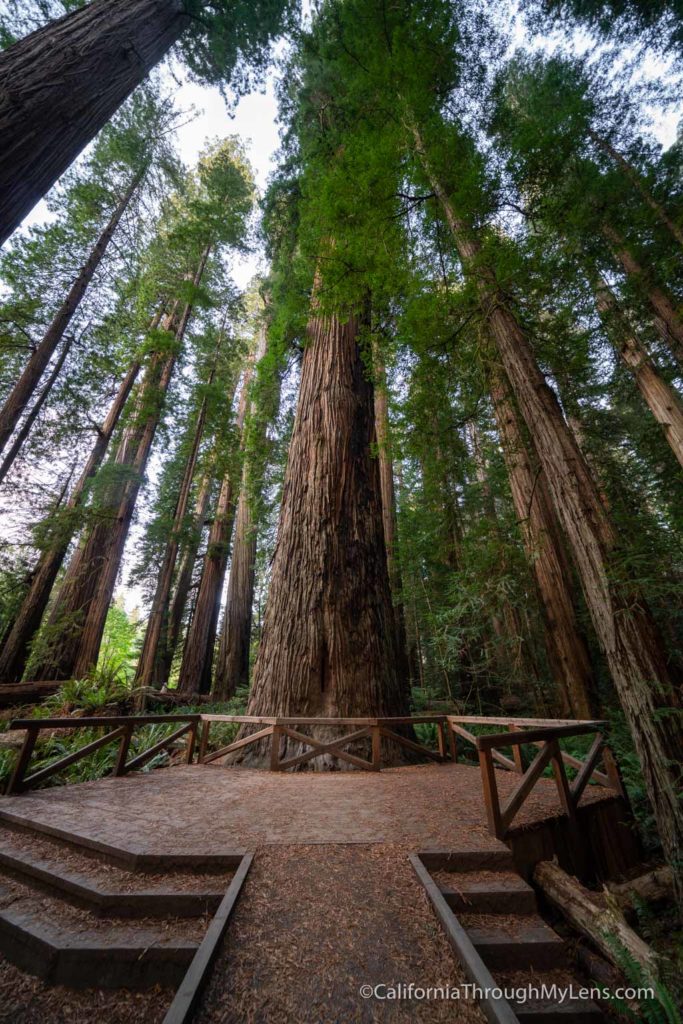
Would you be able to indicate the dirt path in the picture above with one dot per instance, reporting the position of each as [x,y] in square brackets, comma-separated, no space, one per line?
[314,924]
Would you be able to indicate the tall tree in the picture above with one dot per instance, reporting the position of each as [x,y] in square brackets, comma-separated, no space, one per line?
[69,77]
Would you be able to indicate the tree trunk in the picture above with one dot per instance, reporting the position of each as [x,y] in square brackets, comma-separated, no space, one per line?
[20,394]
[622,621]
[636,180]
[61,84]
[603,925]
[25,430]
[389,518]
[328,645]
[568,654]
[666,319]
[14,653]
[185,571]
[80,613]
[660,397]
[195,669]
[154,655]
[232,669]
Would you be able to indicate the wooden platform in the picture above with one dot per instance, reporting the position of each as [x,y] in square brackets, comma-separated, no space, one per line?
[214,810]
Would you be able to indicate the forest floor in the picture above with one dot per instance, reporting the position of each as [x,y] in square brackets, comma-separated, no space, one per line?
[331,902]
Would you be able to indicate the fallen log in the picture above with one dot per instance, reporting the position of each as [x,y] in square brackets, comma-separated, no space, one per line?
[603,925]
[16,694]
[653,885]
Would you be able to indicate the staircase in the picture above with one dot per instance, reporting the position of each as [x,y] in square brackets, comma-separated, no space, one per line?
[77,916]
[495,925]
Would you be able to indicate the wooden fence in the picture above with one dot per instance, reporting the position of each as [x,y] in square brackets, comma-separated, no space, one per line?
[542,736]
[118,729]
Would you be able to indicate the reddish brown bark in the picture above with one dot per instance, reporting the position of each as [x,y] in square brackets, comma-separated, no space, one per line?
[566,646]
[232,668]
[660,397]
[61,84]
[15,650]
[328,645]
[154,659]
[197,663]
[16,401]
[25,429]
[621,619]
[667,319]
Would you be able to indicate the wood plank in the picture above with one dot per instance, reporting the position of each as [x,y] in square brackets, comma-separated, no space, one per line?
[525,722]
[141,758]
[320,747]
[491,798]
[120,766]
[410,744]
[16,782]
[505,761]
[64,762]
[186,1000]
[376,748]
[496,1011]
[506,739]
[586,770]
[98,720]
[526,784]
[238,744]
[459,731]
[275,748]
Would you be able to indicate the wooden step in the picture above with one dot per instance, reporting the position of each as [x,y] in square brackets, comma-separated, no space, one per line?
[498,859]
[83,891]
[525,942]
[489,892]
[87,960]
[129,857]
[549,1007]
[572,1011]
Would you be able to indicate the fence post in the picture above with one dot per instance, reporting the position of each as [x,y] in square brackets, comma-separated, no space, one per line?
[120,767]
[517,751]
[15,782]
[203,740]
[191,741]
[376,748]
[275,749]
[490,786]
[453,742]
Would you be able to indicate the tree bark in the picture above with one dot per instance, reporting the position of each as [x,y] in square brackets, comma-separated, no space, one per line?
[622,621]
[197,663]
[184,581]
[232,669]
[21,393]
[568,654]
[660,397]
[636,180]
[80,612]
[389,518]
[62,83]
[25,429]
[328,646]
[15,650]
[666,318]
[153,660]
[601,924]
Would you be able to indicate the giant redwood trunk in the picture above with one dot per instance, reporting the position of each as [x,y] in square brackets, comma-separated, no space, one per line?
[20,394]
[659,396]
[328,646]
[14,654]
[566,646]
[62,83]
[622,621]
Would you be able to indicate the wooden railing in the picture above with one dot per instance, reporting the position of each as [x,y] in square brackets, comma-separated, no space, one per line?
[119,729]
[274,730]
[544,736]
